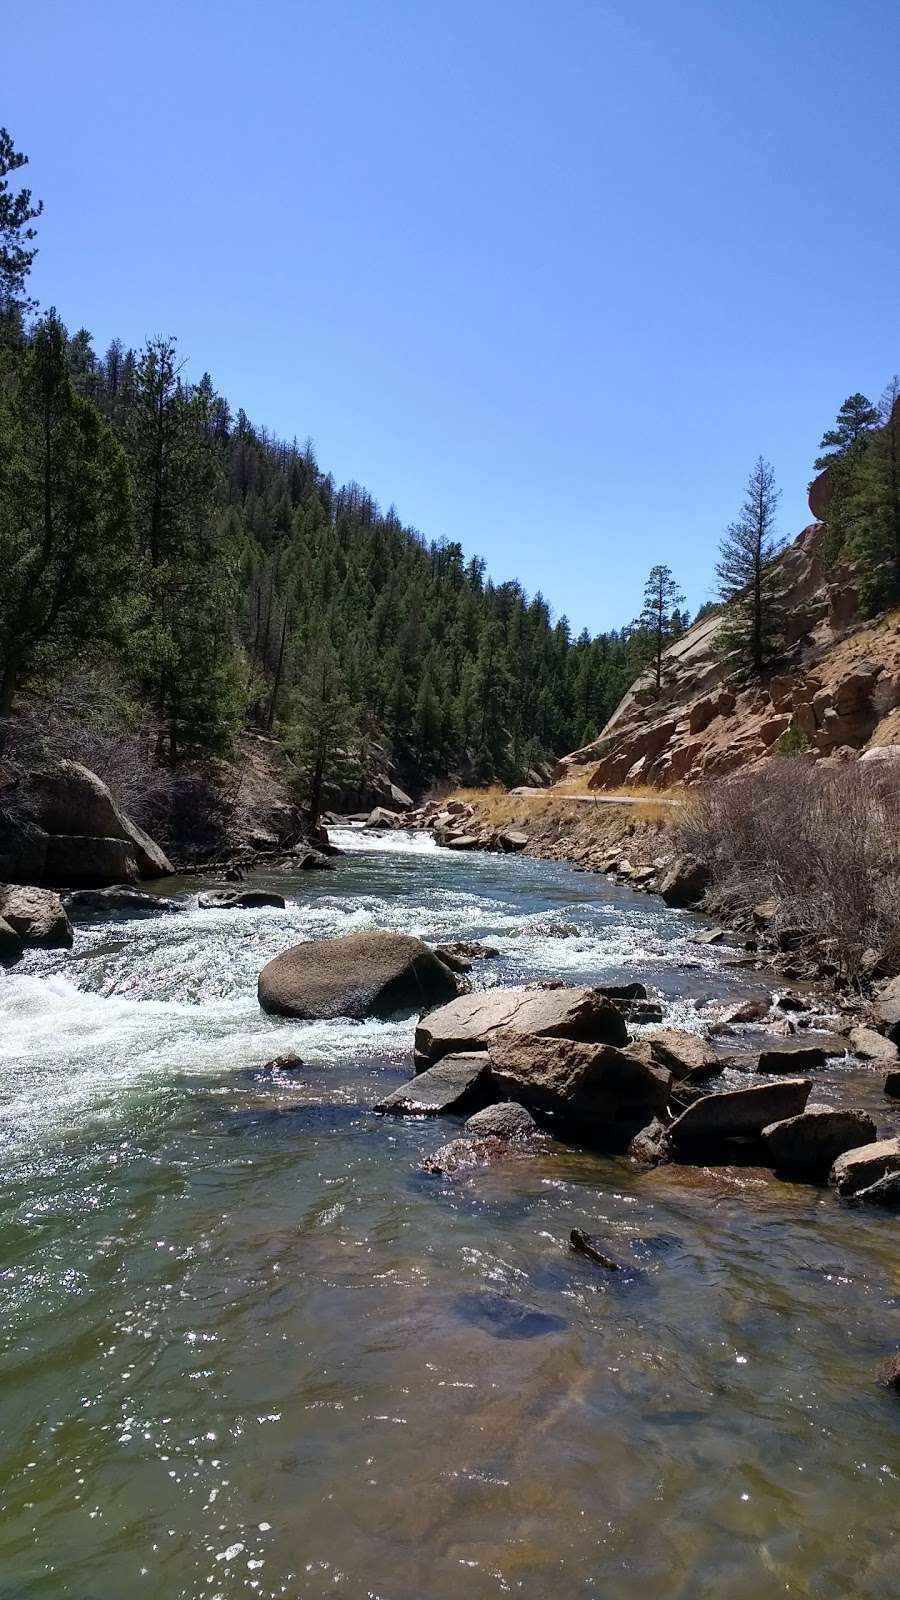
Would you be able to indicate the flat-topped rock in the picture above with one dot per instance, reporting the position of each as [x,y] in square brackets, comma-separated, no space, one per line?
[368,974]
[860,1168]
[786,1058]
[738,1113]
[595,1085]
[458,1083]
[812,1141]
[470,1022]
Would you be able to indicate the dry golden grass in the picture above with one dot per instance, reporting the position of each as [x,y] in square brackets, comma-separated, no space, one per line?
[500,809]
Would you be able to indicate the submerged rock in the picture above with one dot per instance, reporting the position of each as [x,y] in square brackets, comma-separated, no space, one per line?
[507,1120]
[239,900]
[599,1087]
[357,975]
[889,1372]
[119,899]
[737,1113]
[457,1083]
[590,1245]
[470,1022]
[862,1167]
[465,950]
[467,1155]
[811,1142]
[36,915]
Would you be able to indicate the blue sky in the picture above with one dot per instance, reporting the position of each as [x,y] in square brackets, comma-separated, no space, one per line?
[549,277]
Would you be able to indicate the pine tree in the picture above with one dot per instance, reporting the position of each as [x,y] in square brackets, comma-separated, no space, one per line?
[855,418]
[660,618]
[870,507]
[65,521]
[17,212]
[747,586]
[323,733]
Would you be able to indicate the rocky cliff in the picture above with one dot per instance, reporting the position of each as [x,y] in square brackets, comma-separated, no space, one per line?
[835,689]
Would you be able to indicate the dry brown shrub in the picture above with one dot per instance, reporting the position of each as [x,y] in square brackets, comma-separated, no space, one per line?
[824,842]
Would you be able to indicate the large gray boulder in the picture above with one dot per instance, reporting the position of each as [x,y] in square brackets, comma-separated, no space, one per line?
[370,974]
[595,1085]
[69,799]
[811,1142]
[36,915]
[738,1113]
[684,882]
[458,1083]
[470,1022]
[860,1168]
[89,861]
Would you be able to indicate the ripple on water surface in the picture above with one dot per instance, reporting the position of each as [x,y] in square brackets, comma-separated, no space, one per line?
[251,1349]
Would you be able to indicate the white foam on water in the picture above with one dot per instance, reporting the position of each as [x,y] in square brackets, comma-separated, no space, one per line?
[405,841]
[66,1055]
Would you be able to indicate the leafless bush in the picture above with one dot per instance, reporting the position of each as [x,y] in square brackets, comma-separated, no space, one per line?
[89,720]
[825,843]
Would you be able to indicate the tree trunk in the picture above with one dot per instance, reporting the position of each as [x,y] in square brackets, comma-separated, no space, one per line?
[273,699]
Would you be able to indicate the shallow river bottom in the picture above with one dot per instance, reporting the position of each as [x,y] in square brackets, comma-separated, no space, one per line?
[251,1350]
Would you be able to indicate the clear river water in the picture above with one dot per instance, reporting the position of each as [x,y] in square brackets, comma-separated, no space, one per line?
[249,1349]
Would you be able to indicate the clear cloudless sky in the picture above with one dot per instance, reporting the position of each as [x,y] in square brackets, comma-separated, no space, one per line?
[547,276]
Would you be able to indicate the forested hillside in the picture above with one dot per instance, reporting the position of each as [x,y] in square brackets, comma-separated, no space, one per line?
[216,577]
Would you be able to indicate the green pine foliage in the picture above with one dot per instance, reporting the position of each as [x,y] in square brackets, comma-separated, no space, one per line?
[748,583]
[864,501]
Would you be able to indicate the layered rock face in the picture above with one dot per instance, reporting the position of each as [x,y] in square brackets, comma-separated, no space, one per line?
[836,688]
[71,833]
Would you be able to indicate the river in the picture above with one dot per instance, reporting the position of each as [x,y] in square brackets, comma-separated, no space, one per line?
[250,1350]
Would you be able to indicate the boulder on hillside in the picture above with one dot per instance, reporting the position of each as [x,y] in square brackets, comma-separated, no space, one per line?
[470,1022]
[84,860]
[370,974]
[596,1086]
[239,900]
[11,945]
[506,1120]
[458,1083]
[860,1168]
[36,915]
[683,1053]
[811,1142]
[69,799]
[684,882]
[737,1114]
